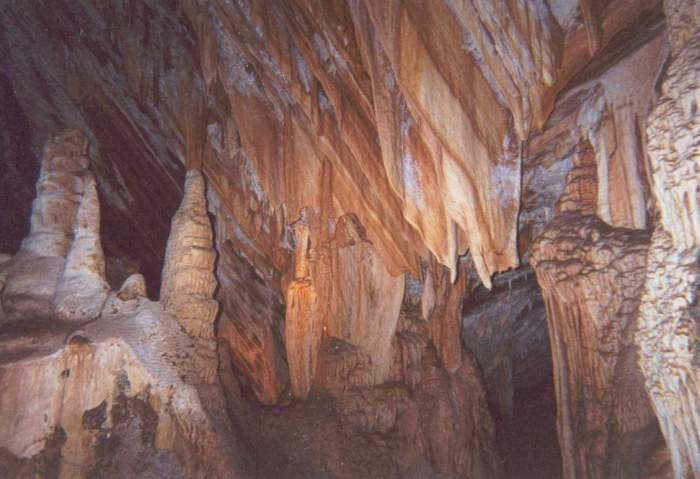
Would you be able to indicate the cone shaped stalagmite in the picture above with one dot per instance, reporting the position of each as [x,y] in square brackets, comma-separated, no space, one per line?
[303,321]
[82,289]
[33,274]
[188,273]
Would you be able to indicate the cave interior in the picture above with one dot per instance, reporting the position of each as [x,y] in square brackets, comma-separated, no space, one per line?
[349,239]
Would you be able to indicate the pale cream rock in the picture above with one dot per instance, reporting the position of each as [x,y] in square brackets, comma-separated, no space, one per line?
[668,319]
[134,287]
[35,271]
[82,289]
[141,354]
[188,280]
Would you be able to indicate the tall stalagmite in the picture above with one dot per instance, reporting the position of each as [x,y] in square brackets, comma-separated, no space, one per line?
[669,317]
[34,272]
[188,272]
[303,321]
[128,382]
[82,289]
[591,274]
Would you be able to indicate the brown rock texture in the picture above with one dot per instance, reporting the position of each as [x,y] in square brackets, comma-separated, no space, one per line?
[367,187]
[591,275]
[425,412]
[303,320]
[668,318]
[362,297]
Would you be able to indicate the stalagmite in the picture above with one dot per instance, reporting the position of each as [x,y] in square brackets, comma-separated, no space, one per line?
[668,319]
[188,272]
[590,276]
[35,271]
[303,321]
[82,288]
[122,395]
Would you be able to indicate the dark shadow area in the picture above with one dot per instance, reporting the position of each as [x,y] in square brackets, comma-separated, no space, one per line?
[528,438]
[19,169]
[135,222]
[506,329]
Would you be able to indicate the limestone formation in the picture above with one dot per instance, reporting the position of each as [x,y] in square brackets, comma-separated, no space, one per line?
[130,392]
[346,284]
[363,298]
[668,318]
[188,272]
[591,275]
[430,412]
[303,320]
[82,288]
[134,287]
[113,395]
[34,272]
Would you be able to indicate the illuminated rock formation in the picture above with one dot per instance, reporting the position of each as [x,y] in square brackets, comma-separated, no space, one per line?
[347,282]
[303,320]
[82,289]
[668,318]
[34,273]
[123,394]
[188,273]
[591,275]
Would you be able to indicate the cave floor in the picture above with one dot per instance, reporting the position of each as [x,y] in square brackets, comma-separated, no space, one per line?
[528,439]
[309,440]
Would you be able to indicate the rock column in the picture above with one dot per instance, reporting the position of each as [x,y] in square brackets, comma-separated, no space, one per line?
[591,275]
[33,274]
[82,289]
[669,316]
[188,281]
